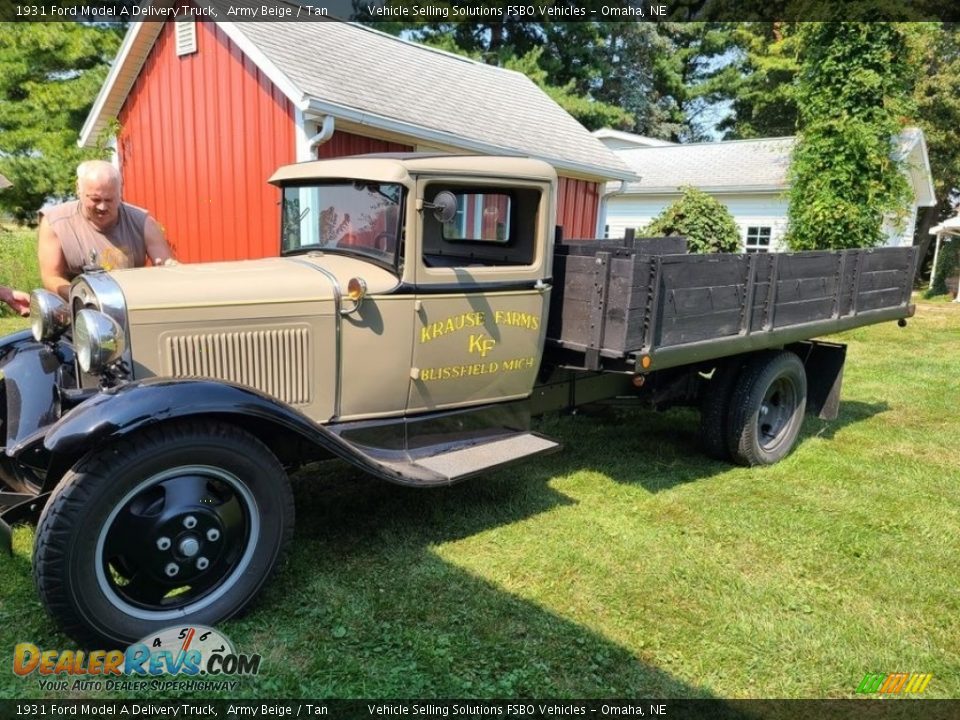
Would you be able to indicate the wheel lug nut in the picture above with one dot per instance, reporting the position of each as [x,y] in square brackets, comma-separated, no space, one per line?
[202,563]
[163,543]
[171,569]
[213,534]
[189,546]
[189,522]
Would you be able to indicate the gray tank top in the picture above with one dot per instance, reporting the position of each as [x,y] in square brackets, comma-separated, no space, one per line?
[123,246]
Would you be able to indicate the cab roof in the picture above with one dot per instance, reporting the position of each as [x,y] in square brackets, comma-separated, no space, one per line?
[398,167]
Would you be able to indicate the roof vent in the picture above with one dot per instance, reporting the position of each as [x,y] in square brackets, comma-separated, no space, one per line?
[186,33]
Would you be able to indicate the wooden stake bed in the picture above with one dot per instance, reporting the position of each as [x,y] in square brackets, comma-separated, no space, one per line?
[644,297]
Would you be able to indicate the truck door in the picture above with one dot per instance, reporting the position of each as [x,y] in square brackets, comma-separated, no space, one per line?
[482,293]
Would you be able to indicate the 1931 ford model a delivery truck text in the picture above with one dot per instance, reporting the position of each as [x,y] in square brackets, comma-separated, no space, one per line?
[420,312]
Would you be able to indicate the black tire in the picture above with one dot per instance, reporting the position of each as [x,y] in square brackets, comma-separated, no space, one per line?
[715,410]
[210,500]
[766,409]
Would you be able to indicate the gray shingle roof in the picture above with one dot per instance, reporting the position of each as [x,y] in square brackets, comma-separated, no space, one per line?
[366,70]
[738,164]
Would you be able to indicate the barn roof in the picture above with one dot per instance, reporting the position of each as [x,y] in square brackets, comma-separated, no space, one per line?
[372,79]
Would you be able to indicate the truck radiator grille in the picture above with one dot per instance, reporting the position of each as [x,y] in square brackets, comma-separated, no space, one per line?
[276,362]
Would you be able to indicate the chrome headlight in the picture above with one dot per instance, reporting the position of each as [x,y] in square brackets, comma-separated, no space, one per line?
[98,339]
[49,315]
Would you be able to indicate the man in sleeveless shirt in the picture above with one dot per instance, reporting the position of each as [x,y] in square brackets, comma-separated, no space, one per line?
[97,229]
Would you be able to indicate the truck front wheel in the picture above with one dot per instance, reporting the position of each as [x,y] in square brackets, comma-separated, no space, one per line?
[766,409]
[179,524]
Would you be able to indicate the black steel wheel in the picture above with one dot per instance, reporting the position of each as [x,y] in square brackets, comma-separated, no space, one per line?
[766,409]
[179,524]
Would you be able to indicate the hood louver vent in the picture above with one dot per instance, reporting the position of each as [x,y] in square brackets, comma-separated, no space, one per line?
[276,362]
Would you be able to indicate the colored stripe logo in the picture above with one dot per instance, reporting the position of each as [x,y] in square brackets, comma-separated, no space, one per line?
[894,683]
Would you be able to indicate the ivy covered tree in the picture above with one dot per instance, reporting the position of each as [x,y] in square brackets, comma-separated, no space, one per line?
[50,74]
[702,219]
[853,96]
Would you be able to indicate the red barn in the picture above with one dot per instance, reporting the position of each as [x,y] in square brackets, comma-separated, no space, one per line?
[204,112]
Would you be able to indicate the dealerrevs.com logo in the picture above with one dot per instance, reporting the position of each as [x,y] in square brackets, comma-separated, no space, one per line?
[894,683]
[195,651]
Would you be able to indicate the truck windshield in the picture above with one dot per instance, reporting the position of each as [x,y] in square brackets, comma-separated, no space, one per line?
[356,217]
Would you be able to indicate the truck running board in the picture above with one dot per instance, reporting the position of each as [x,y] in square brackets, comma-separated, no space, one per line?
[455,465]
[458,464]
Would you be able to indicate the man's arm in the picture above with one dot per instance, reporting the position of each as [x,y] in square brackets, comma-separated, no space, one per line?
[155,240]
[53,265]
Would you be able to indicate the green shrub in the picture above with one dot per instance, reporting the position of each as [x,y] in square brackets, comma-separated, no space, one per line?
[702,219]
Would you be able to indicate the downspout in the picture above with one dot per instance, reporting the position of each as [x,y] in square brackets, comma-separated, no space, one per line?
[602,215]
[326,132]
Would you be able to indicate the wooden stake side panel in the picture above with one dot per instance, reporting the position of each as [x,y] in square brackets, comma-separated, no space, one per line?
[646,301]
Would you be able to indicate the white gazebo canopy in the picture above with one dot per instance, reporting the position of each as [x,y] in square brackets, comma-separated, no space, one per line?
[947,230]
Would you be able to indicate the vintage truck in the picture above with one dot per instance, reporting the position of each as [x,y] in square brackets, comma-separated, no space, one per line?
[421,310]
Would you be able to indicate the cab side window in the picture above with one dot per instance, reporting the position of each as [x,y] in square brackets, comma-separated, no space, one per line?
[491,227]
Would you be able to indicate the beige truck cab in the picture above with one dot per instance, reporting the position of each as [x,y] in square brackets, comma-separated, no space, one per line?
[421,309]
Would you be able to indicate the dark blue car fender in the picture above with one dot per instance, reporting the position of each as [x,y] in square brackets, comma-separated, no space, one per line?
[114,414]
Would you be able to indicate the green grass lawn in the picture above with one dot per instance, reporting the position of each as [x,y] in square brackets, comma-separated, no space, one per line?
[627,565]
[18,269]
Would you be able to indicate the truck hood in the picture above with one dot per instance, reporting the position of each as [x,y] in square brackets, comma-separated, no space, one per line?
[267,281]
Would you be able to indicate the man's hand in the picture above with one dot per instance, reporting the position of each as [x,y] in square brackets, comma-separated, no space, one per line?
[17,299]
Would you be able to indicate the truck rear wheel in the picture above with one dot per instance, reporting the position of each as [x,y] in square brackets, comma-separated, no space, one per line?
[715,410]
[766,409]
[179,524]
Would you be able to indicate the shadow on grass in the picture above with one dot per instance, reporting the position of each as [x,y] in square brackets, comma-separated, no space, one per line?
[653,450]
[366,608]
[851,412]
[661,450]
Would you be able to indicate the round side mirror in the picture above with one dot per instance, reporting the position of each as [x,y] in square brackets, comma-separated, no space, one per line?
[444,206]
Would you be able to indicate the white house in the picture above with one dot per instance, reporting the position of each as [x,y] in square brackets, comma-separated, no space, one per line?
[748,176]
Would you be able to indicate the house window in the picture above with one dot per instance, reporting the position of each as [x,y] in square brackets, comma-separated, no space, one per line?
[758,239]
[480,217]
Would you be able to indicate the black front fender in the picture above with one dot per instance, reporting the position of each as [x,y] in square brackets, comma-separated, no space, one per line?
[113,414]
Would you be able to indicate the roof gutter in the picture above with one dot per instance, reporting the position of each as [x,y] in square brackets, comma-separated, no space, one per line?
[326,132]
